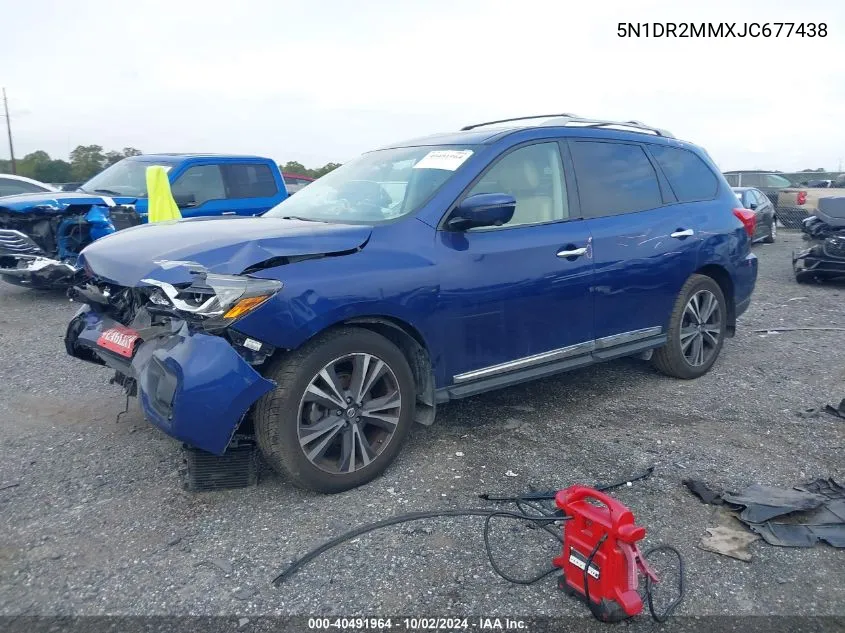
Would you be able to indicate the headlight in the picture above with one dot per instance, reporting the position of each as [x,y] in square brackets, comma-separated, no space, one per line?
[217,300]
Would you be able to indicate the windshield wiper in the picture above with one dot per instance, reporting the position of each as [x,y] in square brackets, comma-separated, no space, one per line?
[109,192]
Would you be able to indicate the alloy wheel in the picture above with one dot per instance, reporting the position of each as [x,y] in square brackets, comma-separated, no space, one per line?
[349,413]
[701,328]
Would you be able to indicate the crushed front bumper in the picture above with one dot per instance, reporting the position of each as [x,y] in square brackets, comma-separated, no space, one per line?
[193,386]
[24,263]
[38,272]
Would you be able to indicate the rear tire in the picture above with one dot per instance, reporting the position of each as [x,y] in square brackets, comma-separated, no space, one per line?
[773,232]
[307,436]
[696,330]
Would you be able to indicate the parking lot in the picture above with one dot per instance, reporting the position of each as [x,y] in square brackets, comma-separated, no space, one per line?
[94,519]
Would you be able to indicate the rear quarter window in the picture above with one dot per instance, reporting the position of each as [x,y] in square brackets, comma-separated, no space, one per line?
[614,178]
[689,176]
[249,180]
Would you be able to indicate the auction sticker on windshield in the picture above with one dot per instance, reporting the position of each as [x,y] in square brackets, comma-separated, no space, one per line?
[449,160]
[120,340]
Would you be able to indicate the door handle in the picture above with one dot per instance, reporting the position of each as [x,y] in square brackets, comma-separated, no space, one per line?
[575,252]
[682,233]
[229,213]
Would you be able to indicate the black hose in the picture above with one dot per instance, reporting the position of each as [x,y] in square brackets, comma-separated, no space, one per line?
[406,518]
[649,586]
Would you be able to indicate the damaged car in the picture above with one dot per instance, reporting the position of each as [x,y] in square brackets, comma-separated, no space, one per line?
[427,271]
[42,234]
[823,259]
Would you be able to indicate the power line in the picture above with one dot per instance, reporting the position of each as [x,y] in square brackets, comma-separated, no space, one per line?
[9,131]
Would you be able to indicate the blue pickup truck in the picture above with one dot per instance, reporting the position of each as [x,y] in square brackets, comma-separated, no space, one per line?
[41,234]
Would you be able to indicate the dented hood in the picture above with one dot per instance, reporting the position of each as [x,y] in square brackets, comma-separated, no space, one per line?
[168,251]
[57,201]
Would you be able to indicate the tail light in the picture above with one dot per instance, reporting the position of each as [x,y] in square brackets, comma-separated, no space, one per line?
[748,219]
[802,197]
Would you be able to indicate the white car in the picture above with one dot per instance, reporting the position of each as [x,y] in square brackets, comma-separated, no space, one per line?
[11,185]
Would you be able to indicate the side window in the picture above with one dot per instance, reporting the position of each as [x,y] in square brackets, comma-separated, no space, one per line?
[9,187]
[203,182]
[249,181]
[732,179]
[772,180]
[614,178]
[757,197]
[533,175]
[689,176]
[752,180]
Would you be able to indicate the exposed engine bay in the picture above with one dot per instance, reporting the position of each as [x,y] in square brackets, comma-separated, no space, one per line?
[824,257]
[168,342]
[208,304]
[39,245]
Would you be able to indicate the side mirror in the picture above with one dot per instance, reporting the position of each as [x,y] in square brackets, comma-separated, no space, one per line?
[185,200]
[482,209]
[752,206]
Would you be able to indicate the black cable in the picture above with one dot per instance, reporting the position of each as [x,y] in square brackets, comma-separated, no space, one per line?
[593,608]
[550,495]
[406,518]
[649,587]
[488,549]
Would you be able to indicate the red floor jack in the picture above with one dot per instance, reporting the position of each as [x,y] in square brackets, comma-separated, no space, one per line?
[600,560]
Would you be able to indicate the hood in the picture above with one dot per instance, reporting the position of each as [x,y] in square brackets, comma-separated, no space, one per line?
[168,251]
[58,201]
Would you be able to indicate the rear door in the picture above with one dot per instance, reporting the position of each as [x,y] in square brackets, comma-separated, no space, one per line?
[645,241]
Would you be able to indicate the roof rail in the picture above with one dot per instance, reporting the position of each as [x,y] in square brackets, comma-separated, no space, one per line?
[519,118]
[576,121]
[635,126]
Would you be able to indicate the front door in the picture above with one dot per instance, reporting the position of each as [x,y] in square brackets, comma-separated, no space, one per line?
[517,296]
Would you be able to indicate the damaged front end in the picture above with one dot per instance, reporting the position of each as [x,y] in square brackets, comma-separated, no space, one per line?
[172,345]
[823,258]
[40,239]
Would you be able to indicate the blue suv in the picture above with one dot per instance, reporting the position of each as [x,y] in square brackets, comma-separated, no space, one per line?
[429,270]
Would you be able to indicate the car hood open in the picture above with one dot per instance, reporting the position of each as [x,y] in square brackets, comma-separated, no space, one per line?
[169,251]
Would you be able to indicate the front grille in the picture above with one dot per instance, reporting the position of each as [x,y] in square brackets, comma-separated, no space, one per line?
[835,247]
[16,243]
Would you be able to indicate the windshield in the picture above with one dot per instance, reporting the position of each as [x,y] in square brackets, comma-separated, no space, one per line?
[126,178]
[376,187]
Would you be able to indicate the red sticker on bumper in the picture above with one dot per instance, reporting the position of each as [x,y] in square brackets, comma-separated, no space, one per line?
[120,340]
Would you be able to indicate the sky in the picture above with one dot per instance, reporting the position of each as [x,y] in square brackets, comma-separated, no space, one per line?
[328,80]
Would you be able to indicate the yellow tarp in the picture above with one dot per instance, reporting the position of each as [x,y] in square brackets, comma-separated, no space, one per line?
[162,205]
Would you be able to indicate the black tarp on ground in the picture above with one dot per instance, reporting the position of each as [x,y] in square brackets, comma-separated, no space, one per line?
[797,517]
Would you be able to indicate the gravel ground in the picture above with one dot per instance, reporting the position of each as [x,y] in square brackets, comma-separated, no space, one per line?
[96,521]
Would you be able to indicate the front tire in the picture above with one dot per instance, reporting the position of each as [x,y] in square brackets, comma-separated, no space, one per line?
[696,330]
[342,408]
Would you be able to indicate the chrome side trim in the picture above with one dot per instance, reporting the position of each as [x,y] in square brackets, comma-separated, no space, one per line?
[557,354]
[627,337]
[537,359]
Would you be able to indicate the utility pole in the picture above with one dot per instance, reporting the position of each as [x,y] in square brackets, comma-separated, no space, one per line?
[9,131]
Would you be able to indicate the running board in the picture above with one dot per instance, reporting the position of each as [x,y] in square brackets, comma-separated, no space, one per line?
[475,387]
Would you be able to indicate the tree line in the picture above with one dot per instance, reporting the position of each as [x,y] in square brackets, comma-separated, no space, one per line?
[294,167]
[87,161]
[83,162]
